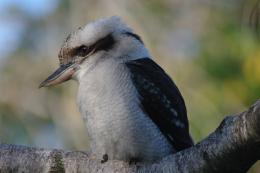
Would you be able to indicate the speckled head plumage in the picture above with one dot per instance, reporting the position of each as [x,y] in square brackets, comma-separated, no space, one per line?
[90,34]
[99,37]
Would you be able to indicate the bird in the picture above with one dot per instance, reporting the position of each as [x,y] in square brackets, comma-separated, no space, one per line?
[132,109]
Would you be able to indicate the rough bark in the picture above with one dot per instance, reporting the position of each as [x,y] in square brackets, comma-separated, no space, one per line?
[232,148]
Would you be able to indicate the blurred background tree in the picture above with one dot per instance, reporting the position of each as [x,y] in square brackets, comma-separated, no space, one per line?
[206,46]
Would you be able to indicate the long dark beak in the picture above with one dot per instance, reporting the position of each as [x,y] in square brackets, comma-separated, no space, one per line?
[62,74]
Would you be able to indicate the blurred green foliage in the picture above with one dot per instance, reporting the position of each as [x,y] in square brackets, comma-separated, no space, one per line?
[206,46]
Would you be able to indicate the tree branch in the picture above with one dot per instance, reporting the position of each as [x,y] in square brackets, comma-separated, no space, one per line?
[233,147]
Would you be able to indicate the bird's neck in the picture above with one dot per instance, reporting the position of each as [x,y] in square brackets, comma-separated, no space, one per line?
[105,89]
[141,52]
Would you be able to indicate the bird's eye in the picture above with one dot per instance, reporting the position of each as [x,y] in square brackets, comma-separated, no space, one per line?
[82,50]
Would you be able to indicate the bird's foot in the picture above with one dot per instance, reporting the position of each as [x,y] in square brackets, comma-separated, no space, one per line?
[92,157]
[133,161]
[105,158]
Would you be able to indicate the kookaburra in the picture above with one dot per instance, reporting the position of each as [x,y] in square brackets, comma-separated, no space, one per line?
[131,107]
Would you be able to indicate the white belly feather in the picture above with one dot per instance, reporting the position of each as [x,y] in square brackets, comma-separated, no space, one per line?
[116,124]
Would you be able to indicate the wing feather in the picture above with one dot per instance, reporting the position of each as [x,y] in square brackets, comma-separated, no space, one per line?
[162,101]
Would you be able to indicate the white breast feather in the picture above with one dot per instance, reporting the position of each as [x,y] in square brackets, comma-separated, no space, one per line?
[117,125]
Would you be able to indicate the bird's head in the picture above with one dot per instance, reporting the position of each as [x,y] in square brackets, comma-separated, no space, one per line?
[81,51]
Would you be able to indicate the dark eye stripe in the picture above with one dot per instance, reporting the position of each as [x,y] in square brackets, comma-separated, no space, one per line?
[105,43]
[82,50]
[67,55]
[137,37]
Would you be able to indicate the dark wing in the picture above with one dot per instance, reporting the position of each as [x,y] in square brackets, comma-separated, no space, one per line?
[162,101]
